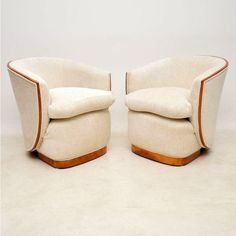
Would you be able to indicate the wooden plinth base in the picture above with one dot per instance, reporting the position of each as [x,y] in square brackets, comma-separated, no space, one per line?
[173,161]
[75,161]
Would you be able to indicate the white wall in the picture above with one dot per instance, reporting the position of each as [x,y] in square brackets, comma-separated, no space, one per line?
[117,36]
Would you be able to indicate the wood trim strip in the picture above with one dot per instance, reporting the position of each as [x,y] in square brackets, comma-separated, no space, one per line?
[173,161]
[73,162]
[126,82]
[201,96]
[39,102]
[110,80]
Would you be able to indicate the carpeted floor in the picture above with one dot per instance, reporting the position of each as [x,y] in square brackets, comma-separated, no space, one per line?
[120,193]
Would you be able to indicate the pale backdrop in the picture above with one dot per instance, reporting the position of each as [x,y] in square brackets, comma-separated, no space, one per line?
[118,36]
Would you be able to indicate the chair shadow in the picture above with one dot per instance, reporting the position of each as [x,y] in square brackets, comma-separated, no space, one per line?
[33,154]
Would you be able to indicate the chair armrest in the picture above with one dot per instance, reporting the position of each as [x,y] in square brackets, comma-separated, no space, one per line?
[205,96]
[32,97]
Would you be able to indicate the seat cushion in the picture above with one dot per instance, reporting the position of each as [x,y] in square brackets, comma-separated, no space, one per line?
[68,102]
[170,102]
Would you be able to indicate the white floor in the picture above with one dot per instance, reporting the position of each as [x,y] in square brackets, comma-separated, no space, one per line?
[120,193]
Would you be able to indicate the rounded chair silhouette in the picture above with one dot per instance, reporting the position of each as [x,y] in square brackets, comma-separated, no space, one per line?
[173,107]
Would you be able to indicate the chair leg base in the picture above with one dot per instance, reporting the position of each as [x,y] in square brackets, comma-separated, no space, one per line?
[73,162]
[173,161]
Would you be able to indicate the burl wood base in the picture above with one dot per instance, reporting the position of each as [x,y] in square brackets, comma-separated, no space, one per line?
[75,161]
[173,161]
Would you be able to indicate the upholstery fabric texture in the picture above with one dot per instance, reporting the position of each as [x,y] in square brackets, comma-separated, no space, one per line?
[49,88]
[71,101]
[202,76]
[66,139]
[173,72]
[170,137]
[171,102]
[34,121]
[58,72]
[212,89]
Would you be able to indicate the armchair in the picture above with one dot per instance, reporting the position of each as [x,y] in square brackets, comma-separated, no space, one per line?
[173,106]
[63,107]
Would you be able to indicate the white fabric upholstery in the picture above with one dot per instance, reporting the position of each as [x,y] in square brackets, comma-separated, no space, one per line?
[33,78]
[66,139]
[174,72]
[57,72]
[70,101]
[171,102]
[203,76]
[170,137]
[34,116]
[211,94]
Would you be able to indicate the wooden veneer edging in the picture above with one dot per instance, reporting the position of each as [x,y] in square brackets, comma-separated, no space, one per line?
[173,161]
[110,80]
[126,81]
[74,161]
[39,102]
[201,95]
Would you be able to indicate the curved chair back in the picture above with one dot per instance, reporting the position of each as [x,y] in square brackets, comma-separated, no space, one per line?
[172,72]
[58,72]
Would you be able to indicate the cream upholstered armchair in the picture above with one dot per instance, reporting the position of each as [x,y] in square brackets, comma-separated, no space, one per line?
[64,109]
[173,106]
